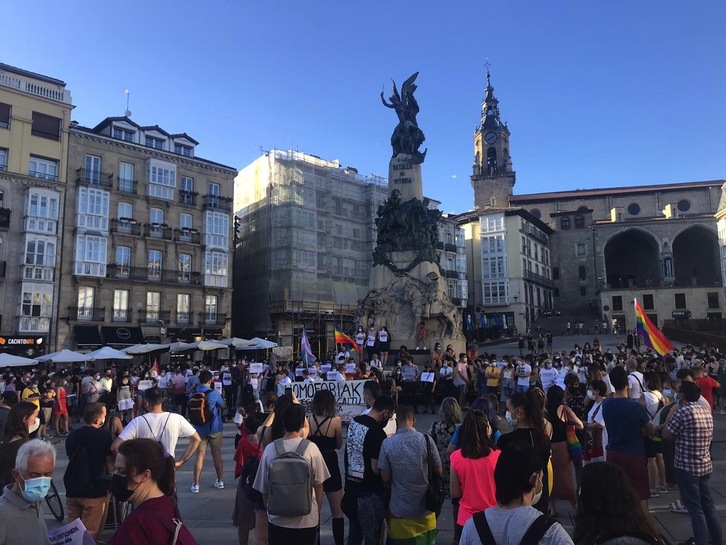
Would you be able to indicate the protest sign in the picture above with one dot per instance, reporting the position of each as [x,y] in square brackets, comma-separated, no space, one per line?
[73,533]
[255,368]
[350,368]
[348,394]
[427,377]
[145,385]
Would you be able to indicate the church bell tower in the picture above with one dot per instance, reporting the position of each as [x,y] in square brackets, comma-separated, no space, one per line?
[493,178]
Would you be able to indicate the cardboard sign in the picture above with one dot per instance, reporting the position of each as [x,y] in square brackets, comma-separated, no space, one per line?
[125,404]
[255,368]
[350,368]
[332,375]
[299,371]
[218,386]
[325,368]
[73,533]
[427,377]
[348,394]
[145,385]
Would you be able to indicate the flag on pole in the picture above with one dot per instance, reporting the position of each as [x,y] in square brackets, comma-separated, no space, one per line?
[155,367]
[652,336]
[306,352]
[342,338]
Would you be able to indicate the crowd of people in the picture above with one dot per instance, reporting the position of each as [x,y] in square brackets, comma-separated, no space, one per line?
[604,431]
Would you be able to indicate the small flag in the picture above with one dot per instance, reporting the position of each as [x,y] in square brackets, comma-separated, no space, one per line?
[342,338]
[155,367]
[652,336]
[306,352]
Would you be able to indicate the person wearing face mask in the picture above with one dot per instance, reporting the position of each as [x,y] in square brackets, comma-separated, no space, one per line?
[21,519]
[61,418]
[90,459]
[22,420]
[548,375]
[519,479]
[596,435]
[144,475]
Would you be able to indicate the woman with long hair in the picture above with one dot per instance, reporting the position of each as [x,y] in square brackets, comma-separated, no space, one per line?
[608,504]
[560,417]
[113,423]
[144,475]
[526,410]
[23,419]
[441,432]
[472,468]
[326,431]
[61,418]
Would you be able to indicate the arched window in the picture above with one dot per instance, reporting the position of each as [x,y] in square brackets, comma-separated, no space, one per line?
[579,222]
[565,223]
[492,160]
[581,272]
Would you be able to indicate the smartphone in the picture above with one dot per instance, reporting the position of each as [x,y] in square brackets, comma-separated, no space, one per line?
[288,391]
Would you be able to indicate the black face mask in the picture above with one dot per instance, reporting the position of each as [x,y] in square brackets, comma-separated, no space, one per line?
[120,488]
[573,389]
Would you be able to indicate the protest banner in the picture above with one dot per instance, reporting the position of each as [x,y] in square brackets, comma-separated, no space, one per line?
[348,395]
[73,533]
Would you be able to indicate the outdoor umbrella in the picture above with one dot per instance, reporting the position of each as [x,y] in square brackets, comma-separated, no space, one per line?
[237,342]
[210,345]
[182,347]
[263,343]
[138,349]
[108,353]
[64,356]
[10,360]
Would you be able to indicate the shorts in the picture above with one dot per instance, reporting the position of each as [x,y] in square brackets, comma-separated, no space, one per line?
[213,439]
[635,467]
[652,447]
[463,388]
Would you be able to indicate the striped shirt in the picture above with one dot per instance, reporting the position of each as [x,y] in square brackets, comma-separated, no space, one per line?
[692,426]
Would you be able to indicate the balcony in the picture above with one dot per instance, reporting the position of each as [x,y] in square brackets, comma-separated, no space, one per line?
[450,247]
[451,274]
[188,198]
[152,274]
[126,186]
[43,175]
[538,279]
[121,315]
[184,317]
[217,202]
[4,218]
[212,318]
[125,226]
[190,236]
[87,314]
[157,230]
[154,316]
[94,178]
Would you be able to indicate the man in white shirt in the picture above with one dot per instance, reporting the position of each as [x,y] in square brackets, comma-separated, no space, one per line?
[548,375]
[524,370]
[635,379]
[166,428]
[106,381]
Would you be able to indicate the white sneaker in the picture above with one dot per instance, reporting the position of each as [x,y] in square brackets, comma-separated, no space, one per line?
[195,489]
[218,484]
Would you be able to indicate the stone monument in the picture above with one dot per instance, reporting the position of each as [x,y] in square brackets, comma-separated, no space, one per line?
[407,284]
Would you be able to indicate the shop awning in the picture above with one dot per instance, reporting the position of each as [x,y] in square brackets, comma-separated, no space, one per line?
[87,336]
[122,336]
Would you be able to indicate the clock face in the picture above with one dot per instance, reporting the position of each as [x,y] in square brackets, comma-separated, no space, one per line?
[490,138]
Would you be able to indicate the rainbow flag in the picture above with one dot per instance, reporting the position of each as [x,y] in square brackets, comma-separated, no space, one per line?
[652,337]
[342,338]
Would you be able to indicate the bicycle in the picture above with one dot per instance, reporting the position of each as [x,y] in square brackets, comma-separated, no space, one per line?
[55,504]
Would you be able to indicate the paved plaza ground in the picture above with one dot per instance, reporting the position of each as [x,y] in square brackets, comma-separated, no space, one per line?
[208,514]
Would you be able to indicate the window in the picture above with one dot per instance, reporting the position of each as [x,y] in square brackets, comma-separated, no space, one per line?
[582,272]
[92,169]
[713,301]
[185,268]
[46,169]
[634,209]
[215,269]
[92,208]
[3,159]
[183,314]
[123,261]
[46,126]
[125,210]
[579,222]
[680,300]
[41,211]
[581,249]
[617,302]
[555,273]
[90,256]
[216,229]
[185,221]
[4,116]
[648,303]
[152,142]
[123,134]
[495,293]
[126,177]
[162,179]
[154,265]
[121,306]
[36,307]
[493,267]
[536,212]
[213,191]
[187,151]
[36,304]
[85,303]
[210,309]
[583,290]
[565,224]
[156,222]
[39,259]
[684,205]
[153,305]
[186,183]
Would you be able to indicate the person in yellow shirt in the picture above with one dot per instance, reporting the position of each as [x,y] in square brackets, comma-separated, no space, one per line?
[493,374]
[31,392]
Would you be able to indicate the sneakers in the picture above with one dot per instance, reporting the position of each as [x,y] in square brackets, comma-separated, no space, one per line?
[722,411]
[678,507]
[654,493]
[217,484]
[663,489]
[195,489]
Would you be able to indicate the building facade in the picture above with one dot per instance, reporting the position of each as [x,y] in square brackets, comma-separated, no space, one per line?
[35,112]
[147,254]
[607,246]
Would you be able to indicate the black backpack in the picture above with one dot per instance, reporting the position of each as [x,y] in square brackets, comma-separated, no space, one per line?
[200,411]
[532,536]
[249,473]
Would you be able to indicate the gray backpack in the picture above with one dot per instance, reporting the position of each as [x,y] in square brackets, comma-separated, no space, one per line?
[290,482]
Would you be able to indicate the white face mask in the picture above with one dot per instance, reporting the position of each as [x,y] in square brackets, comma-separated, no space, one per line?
[510,420]
[591,394]
[538,495]
[34,426]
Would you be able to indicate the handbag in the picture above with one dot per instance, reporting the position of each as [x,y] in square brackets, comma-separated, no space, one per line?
[249,473]
[593,447]
[574,448]
[435,489]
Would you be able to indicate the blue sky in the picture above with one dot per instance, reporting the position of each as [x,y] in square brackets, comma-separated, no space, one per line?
[596,94]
